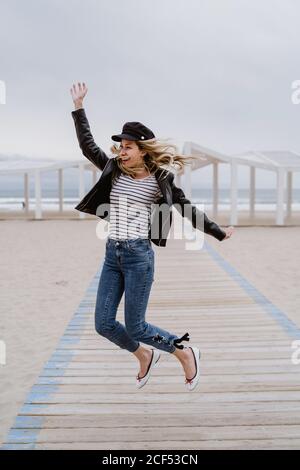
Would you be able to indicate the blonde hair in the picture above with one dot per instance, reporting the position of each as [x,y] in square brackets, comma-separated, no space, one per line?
[160,154]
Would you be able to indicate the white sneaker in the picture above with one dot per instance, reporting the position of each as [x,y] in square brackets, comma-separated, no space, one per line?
[192,383]
[141,381]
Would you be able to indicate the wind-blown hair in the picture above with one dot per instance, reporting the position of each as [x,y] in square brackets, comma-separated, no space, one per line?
[160,154]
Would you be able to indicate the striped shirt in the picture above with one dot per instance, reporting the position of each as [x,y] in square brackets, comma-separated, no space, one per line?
[130,206]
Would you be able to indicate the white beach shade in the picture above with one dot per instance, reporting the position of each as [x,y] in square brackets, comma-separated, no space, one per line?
[34,168]
[284,163]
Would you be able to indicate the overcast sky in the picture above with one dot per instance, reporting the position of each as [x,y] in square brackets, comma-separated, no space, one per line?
[216,72]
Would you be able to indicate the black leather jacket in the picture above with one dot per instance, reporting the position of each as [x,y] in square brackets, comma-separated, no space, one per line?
[97,200]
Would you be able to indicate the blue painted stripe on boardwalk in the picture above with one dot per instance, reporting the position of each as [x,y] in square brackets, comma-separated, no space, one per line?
[18,447]
[29,421]
[25,430]
[48,381]
[287,325]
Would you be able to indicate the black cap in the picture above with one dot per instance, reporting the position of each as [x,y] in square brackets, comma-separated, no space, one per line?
[134,131]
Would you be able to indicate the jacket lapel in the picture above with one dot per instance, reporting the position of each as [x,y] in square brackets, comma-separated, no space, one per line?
[108,167]
[163,183]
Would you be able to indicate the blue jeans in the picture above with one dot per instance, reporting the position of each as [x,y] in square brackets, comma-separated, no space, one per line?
[129,267]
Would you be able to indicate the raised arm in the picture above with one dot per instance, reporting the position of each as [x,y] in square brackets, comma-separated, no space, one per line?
[85,139]
[198,218]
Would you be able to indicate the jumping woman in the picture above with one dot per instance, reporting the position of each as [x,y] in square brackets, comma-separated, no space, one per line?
[136,178]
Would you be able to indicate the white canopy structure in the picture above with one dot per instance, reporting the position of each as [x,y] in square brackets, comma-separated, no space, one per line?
[36,167]
[283,163]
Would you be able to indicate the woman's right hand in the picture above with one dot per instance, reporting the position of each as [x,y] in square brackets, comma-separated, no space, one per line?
[229,231]
[78,93]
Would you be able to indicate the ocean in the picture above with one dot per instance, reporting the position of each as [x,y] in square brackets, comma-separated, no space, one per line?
[12,193]
[12,199]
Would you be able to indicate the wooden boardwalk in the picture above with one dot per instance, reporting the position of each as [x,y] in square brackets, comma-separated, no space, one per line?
[248,396]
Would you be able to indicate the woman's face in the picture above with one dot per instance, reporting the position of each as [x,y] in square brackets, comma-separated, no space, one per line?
[130,154]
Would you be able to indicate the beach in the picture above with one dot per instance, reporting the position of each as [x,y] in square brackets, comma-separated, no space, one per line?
[47,265]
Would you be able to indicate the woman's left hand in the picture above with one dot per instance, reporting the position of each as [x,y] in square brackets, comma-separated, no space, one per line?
[228,231]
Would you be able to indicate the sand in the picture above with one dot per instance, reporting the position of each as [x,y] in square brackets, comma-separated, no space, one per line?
[47,265]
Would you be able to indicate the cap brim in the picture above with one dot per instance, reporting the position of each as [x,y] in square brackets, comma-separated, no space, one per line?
[119,137]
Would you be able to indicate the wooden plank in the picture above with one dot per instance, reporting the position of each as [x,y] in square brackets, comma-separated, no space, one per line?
[161,388]
[162,409]
[167,376]
[160,398]
[251,444]
[209,379]
[157,433]
[141,420]
[87,368]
